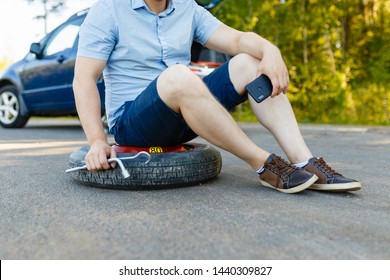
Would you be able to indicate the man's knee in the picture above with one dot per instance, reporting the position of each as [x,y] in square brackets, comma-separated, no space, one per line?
[242,70]
[243,63]
[178,79]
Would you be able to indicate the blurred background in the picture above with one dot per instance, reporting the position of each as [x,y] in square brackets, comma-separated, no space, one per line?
[337,52]
[23,22]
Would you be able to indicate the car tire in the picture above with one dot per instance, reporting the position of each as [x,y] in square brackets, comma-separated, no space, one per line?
[197,164]
[10,108]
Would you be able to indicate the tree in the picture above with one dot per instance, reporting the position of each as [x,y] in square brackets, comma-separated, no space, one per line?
[49,7]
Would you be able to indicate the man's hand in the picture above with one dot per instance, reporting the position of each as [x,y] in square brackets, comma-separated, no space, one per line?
[98,155]
[228,40]
[274,67]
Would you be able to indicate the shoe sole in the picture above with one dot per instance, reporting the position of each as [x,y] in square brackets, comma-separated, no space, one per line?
[296,189]
[347,187]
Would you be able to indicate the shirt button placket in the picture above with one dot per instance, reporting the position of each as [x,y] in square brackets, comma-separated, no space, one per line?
[161,38]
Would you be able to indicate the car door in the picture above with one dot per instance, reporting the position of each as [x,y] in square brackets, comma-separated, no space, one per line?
[47,77]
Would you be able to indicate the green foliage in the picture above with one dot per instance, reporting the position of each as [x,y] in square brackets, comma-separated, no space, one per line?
[203,2]
[337,52]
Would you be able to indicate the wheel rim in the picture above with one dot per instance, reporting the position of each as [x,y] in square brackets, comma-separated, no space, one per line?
[9,107]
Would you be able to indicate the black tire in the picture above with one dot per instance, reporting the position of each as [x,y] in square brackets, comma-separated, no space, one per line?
[198,164]
[10,108]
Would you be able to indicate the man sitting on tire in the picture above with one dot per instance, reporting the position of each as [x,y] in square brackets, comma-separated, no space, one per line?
[153,99]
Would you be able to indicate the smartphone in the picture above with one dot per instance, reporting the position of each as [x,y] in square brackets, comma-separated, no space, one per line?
[260,88]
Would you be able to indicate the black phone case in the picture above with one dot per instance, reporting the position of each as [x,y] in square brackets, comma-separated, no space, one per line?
[260,88]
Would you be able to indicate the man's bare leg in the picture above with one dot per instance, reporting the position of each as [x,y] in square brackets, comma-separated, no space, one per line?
[275,114]
[186,94]
[278,117]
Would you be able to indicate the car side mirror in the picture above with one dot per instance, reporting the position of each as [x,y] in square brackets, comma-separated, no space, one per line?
[36,49]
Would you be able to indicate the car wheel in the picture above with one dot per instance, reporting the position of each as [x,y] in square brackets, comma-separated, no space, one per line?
[10,109]
[197,163]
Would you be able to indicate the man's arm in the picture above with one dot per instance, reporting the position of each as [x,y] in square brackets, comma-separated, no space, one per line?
[230,41]
[87,72]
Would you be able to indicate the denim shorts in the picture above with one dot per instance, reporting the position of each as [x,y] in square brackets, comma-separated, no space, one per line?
[148,121]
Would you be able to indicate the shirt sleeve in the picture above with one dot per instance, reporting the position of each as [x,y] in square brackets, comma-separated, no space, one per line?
[205,24]
[97,36]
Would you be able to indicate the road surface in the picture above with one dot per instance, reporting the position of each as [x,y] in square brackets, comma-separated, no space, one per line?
[46,215]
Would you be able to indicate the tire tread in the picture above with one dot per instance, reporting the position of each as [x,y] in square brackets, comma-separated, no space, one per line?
[176,169]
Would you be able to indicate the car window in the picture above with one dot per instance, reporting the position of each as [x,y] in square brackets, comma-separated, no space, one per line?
[62,40]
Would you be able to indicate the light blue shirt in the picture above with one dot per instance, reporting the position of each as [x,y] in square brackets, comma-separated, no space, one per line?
[139,44]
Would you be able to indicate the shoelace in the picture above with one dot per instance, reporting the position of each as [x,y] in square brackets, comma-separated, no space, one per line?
[326,169]
[281,167]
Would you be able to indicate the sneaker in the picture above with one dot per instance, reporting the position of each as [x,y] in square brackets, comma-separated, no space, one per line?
[285,177]
[328,179]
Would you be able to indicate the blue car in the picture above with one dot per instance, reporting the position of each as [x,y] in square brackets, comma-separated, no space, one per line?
[41,83]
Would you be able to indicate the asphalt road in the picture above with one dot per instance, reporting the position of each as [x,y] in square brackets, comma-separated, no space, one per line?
[46,215]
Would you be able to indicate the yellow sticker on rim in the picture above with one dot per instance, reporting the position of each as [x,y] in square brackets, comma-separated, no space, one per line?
[155,150]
